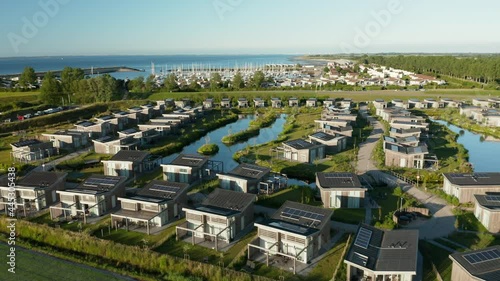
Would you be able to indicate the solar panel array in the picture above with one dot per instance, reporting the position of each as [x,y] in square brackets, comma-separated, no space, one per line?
[492,198]
[338,175]
[483,256]
[363,238]
[296,214]
[481,175]
[164,188]
[102,181]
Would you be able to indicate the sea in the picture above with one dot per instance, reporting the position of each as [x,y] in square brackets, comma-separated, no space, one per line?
[16,65]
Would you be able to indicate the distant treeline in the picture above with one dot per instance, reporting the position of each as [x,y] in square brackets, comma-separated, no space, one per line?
[482,69]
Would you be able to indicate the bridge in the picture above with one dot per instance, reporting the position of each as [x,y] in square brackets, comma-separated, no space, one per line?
[86,71]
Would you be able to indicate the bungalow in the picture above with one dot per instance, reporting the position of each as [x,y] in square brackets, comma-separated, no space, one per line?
[480,102]
[328,115]
[258,102]
[244,178]
[242,102]
[464,186]
[115,123]
[162,129]
[333,144]
[432,103]
[494,102]
[276,102]
[186,168]
[71,140]
[408,119]
[129,163]
[416,103]
[490,117]
[487,210]
[143,137]
[95,196]
[225,103]
[477,265]
[388,113]
[208,103]
[331,128]
[182,103]
[169,102]
[94,130]
[154,205]
[397,155]
[403,133]
[329,102]
[293,102]
[159,108]
[379,104]
[31,150]
[222,216]
[302,151]
[139,114]
[377,254]
[409,125]
[111,145]
[340,190]
[311,102]
[295,231]
[344,103]
[399,103]
[471,111]
[405,141]
[34,192]
[447,102]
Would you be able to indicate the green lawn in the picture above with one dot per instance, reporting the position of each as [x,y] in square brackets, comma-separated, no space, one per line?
[297,194]
[194,252]
[72,225]
[439,257]
[467,221]
[475,241]
[450,245]
[237,248]
[326,267]
[354,216]
[387,201]
[40,267]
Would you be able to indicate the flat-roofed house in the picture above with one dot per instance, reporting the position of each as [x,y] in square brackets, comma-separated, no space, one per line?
[225,103]
[130,163]
[332,127]
[464,186]
[311,102]
[116,123]
[398,155]
[416,103]
[138,114]
[480,102]
[433,103]
[143,137]
[303,151]
[293,102]
[333,144]
[162,128]
[408,119]
[208,103]
[406,141]
[70,140]
[244,178]
[94,130]
[295,231]
[34,192]
[154,205]
[186,168]
[399,103]
[447,102]
[329,102]
[377,254]
[340,190]
[170,102]
[494,102]
[403,133]
[409,125]
[222,216]
[258,102]
[379,104]
[276,102]
[95,196]
[242,102]
[183,103]
[344,103]
[487,210]
[390,112]
[111,145]
[477,265]
[31,150]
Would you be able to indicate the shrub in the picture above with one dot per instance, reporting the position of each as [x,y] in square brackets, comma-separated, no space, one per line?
[208,149]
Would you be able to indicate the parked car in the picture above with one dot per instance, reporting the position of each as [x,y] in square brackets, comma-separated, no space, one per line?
[28,116]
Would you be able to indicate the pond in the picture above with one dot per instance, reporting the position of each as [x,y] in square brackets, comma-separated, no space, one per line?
[226,152]
[484,155]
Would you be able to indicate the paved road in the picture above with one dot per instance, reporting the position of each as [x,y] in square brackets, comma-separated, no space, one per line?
[365,163]
[53,163]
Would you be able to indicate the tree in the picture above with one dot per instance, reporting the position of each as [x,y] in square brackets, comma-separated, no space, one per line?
[238,81]
[69,79]
[215,80]
[170,82]
[194,83]
[51,90]
[28,77]
[326,69]
[258,78]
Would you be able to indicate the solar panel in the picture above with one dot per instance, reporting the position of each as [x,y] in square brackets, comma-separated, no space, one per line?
[481,175]
[102,181]
[492,197]
[164,188]
[296,214]
[363,238]
[483,256]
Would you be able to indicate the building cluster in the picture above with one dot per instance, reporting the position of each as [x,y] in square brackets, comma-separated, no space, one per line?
[483,111]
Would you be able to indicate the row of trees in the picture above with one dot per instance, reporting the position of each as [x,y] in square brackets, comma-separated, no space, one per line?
[484,69]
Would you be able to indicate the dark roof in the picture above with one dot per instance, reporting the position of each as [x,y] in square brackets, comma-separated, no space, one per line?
[397,100]
[406,131]
[421,149]
[299,144]
[98,184]
[26,143]
[190,160]
[130,155]
[489,200]
[275,99]
[323,136]
[85,123]
[401,140]
[473,179]
[257,99]
[312,99]
[158,189]
[300,218]
[242,99]
[225,99]
[338,180]
[292,98]
[249,171]
[41,179]
[229,200]
[130,131]
[485,269]
[379,100]
[384,250]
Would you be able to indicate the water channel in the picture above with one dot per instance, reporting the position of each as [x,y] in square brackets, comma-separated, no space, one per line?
[484,155]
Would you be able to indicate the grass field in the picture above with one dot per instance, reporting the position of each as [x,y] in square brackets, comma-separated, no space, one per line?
[439,257]
[297,194]
[354,216]
[40,267]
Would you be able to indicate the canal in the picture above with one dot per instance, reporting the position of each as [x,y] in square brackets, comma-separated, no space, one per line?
[226,152]
[484,155]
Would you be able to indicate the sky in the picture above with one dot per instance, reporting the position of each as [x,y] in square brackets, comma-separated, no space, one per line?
[167,27]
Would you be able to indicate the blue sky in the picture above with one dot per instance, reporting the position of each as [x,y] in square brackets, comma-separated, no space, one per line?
[130,27]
